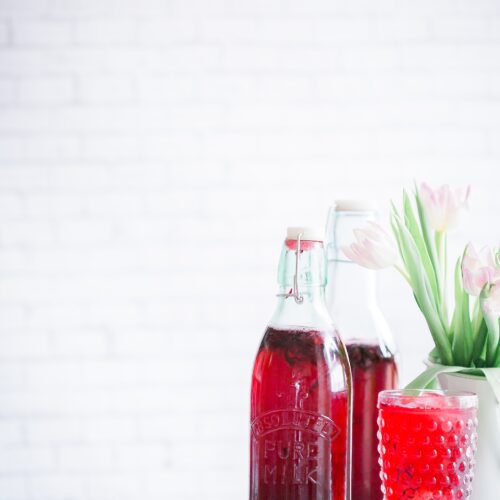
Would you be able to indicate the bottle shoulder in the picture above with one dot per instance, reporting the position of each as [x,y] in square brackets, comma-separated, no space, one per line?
[290,360]
[367,327]
[304,345]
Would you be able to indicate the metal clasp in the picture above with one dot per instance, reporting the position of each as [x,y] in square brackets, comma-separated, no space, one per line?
[295,291]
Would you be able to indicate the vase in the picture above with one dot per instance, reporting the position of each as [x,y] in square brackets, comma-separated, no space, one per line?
[486,483]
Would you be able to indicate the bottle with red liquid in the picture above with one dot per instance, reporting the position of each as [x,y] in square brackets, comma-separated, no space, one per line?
[300,395]
[352,301]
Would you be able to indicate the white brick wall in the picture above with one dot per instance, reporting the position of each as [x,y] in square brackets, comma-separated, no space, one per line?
[151,154]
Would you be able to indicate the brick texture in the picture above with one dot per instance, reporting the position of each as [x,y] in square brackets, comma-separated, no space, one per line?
[151,154]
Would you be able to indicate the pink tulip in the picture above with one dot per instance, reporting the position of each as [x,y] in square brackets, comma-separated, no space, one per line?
[443,205]
[491,304]
[374,248]
[478,269]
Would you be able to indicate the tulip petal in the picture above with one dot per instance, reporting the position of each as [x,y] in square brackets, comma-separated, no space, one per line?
[478,269]
[443,205]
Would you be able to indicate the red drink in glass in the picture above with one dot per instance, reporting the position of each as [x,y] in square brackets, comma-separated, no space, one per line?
[299,419]
[427,444]
[372,371]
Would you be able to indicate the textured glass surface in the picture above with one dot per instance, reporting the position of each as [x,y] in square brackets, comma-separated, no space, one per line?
[427,451]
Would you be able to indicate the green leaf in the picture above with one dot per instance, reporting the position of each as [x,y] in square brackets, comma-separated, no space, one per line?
[425,379]
[458,343]
[433,245]
[462,344]
[414,229]
[496,361]
[477,317]
[467,328]
[480,362]
[441,252]
[421,289]
[493,377]
[433,355]
[479,344]
[426,233]
[492,323]
[491,341]
[453,324]
[394,227]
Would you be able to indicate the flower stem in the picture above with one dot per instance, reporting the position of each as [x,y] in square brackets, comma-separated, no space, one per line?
[403,273]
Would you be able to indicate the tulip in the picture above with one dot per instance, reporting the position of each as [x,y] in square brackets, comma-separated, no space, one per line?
[374,248]
[478,269]
[491,304]
[443,205]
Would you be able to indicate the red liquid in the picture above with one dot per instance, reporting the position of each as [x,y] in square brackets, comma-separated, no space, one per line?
[372,372]
[299,418]
[427,453]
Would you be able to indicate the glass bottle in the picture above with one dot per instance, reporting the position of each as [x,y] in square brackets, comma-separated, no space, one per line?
[300,395]
[352,301]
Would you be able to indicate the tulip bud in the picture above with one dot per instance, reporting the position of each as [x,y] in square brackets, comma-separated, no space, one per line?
[443,206]
[478,269]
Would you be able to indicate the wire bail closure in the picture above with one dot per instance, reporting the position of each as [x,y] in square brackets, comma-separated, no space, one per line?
[299,299]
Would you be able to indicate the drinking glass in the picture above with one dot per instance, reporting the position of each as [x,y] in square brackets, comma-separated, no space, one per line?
[427,441]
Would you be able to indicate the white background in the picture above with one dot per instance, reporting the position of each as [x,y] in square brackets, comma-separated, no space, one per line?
[151,155]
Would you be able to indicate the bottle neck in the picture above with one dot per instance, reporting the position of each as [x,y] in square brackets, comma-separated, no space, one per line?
[351,294]
[346,281]
[302,280]
[310,313]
